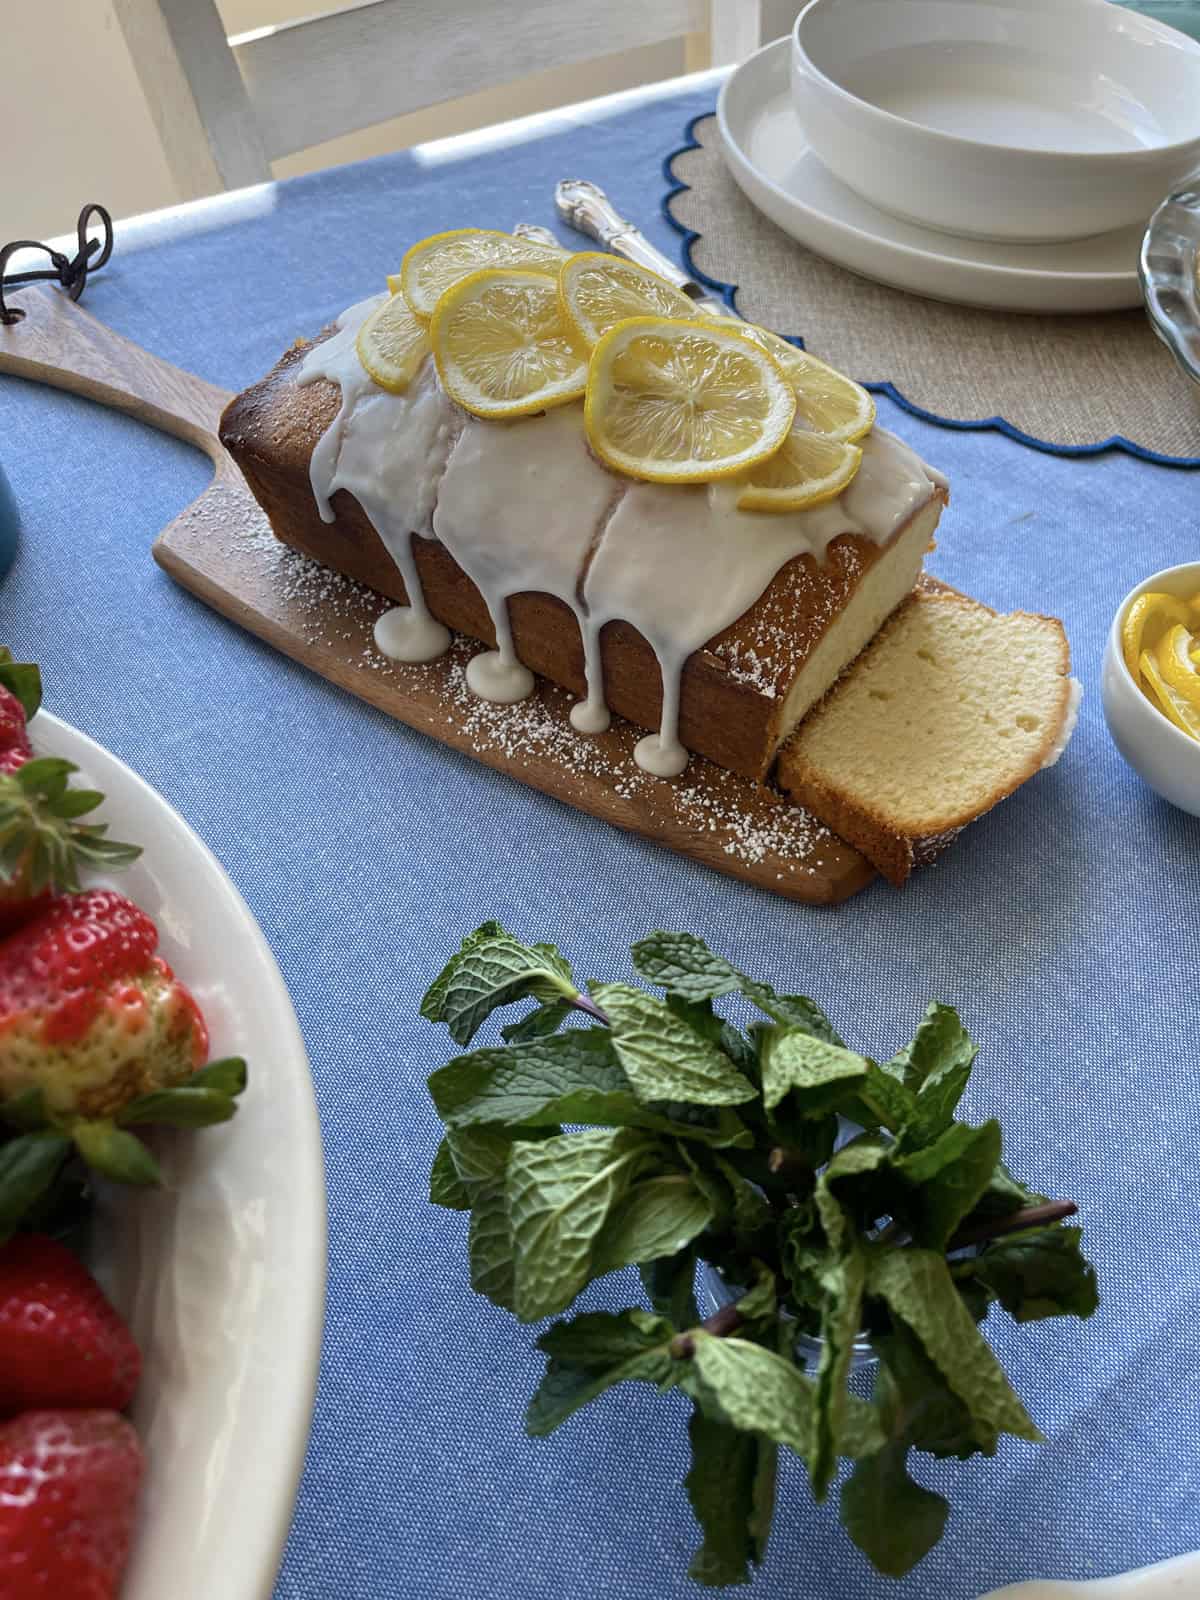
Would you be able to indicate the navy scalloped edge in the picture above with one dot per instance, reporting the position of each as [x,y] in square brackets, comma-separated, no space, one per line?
[728,293]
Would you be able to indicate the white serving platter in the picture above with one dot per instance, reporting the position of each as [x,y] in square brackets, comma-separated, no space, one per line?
[221,1274]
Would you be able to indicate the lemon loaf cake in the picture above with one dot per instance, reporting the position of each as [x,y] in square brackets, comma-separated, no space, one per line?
[582,542]
[950,709]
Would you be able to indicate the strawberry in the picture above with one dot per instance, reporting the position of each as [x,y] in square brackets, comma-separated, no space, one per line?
[96,1035]
[61,1342]
[42,841]
[68,1495]
[89,1015]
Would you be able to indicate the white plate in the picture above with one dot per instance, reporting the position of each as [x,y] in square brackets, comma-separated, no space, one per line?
[770,160]
[221,1274]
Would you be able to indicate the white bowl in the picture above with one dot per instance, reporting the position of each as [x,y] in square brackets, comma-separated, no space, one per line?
[1168,760]
[999,119]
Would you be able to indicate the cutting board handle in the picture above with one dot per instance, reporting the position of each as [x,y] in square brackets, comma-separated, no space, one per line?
[57,342]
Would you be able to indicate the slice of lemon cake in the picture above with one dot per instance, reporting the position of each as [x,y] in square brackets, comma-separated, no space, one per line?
[950,709]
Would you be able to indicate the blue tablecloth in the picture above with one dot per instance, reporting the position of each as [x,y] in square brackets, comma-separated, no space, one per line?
[1063,925]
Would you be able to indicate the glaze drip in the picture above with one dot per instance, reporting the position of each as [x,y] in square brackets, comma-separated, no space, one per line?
[524,507]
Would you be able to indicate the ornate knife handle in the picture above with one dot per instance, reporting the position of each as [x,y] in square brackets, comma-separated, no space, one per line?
[586,207]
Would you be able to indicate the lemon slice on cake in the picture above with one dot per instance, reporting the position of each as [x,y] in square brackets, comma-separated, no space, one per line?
[502,345]
[435,264]
[807,470]
[826,399]
[392,344]
[672,401]
[598,291]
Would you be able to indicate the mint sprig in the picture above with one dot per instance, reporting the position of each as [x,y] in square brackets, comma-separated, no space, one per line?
[690,1141]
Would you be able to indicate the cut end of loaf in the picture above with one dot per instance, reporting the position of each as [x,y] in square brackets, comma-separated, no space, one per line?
[947,712]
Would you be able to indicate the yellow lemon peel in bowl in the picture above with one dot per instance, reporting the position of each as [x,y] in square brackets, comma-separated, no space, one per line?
[1144,623]
[675,401]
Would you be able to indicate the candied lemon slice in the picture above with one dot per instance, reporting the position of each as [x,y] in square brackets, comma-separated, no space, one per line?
[807,470]
[433,265]
[1180,711]
[1144,621]
[826,400]
[684,402]
[502,345]
[598,291]
[1176,664]
[392,344]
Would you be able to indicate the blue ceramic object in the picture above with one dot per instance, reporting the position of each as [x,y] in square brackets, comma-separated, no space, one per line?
[8,525]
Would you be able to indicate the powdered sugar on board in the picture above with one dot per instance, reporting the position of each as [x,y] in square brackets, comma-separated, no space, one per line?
[222,548]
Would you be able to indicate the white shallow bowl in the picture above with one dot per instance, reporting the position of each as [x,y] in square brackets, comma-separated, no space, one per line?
[772,163]
[999,119]
[1167,1580]
[221,1274]
[1168,760]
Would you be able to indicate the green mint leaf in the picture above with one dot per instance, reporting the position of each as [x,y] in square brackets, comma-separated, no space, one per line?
[664,1058]
[182,1107]
[702,1019]
[600,1340]
[496,971]
[670,1287]
[446,1188]
[757,1390]
[561,1191]
[592,1353]
[760,1302]
[433,1003]
[731,1486]
[750,1212]
[883,1102]
[22,678]
[792,1011]
[860,1179]
[29,1166]
[915,1405]
[894,1521]
[939,1052]
[658,1217]
[572,1077]
[116,1154]
[948,1178]
[490,1249]
[479,1155]
[685,966]
[802,1250]
[1041,1273]
[842,1281]
[540,1022]
[227,1076]
[1004,1195]
[919,1291]
[819,1075]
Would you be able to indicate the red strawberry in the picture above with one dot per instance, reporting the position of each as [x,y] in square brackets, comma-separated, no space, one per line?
[68,1494]
[90,1017]
[43,843]
[15,747]
[61,1342]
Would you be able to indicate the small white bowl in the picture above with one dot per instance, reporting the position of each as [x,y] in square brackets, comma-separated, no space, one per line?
[1168,760]
[1024,120]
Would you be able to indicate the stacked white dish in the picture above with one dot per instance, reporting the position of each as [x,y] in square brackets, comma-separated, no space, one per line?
[1004,153]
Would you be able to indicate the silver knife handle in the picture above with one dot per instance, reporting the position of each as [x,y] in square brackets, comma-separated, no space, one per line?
[586,207]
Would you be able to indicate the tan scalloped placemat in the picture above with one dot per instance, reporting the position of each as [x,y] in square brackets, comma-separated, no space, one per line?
[1063,381]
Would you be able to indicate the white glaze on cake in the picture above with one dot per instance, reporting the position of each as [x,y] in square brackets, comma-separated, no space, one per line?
[525,506]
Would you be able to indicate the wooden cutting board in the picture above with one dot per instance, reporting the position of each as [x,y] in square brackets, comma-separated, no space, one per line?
[222,549]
